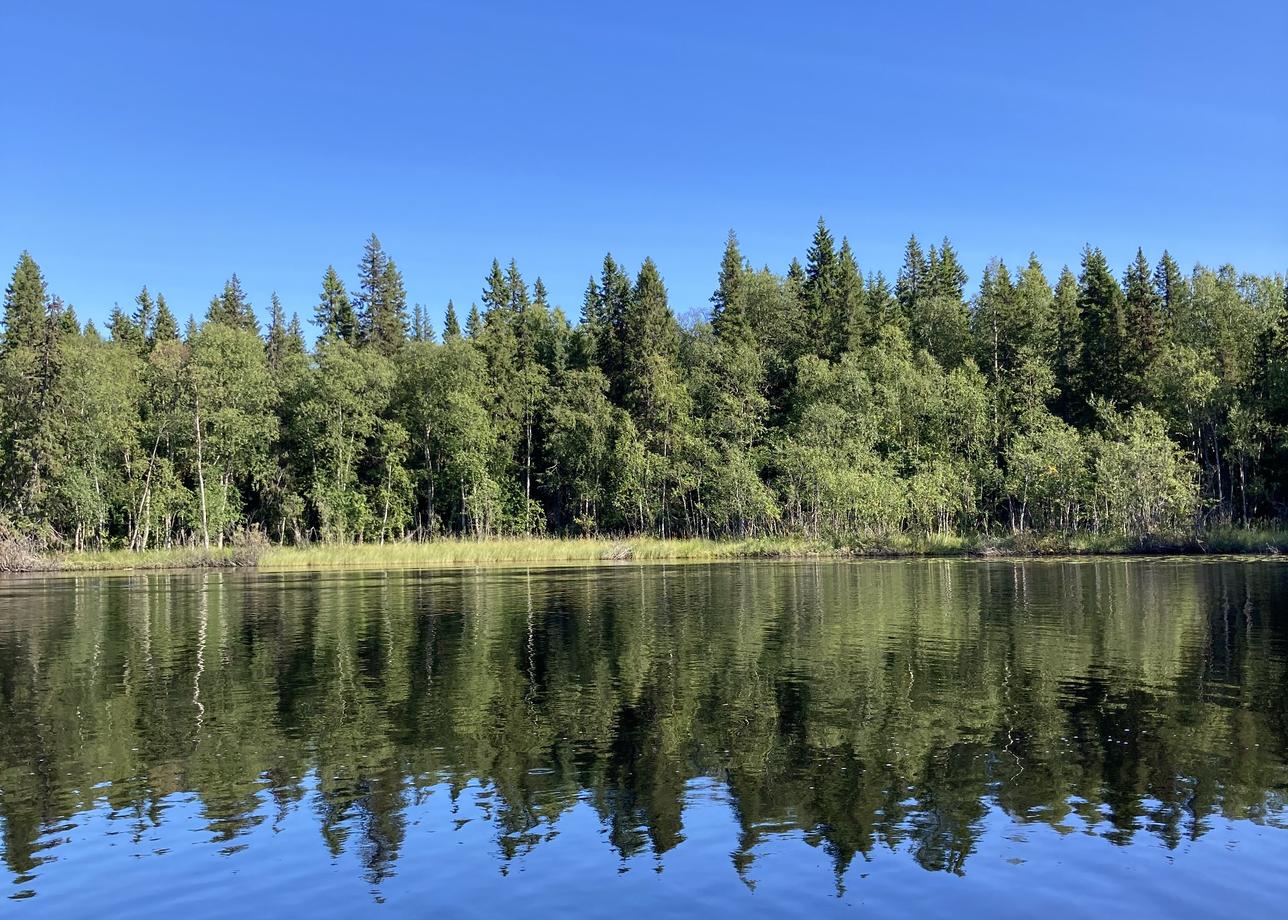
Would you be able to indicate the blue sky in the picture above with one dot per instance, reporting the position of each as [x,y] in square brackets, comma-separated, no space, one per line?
[175,143]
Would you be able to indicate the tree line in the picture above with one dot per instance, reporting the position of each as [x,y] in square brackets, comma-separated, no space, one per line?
[822,401]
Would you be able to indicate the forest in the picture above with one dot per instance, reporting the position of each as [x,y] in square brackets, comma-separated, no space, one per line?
[821,401]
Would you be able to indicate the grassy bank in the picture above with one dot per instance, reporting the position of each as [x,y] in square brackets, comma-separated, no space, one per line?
[509,551]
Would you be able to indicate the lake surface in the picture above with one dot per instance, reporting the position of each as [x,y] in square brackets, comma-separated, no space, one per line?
[927,738]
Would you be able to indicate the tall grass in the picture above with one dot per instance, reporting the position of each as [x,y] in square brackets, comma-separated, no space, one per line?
[518,549]
[179,557]
[588,550]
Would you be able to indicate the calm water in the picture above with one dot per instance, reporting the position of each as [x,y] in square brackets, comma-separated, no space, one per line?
[928,738]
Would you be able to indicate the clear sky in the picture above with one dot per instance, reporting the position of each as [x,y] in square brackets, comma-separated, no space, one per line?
[175,143]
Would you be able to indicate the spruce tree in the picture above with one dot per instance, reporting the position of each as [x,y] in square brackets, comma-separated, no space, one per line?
[451,325]
[1104,330]
[144,313]
[649,330]
[821,291]
[381,301]
[851,324]
[910,284]
[295,344]
[615,293]
[473,323]
[164,328]
[496,290]
[1144,325]
[1169,285]
[944,275]
[334,315]
[387,321]
[882,303]
[728,306]
[232,308]
[422,328]
[275,343]
[123,329]
[1066,332]
[26,302]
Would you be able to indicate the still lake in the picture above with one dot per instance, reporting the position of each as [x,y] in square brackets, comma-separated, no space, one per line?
[926,738]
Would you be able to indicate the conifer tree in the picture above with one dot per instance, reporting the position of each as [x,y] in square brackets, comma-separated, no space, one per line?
[496,290]
[821,307]
[1143,308]
[473,323]
[1104,328]
[945,276]
[164,328]
[387,321]
[851,326]
[422,329]
[910,284]
[26,302]
[275,341]
[451,326]
[381,301]
[231,308]
[295,344]
[144,314]
[615,293]
[882,303]
[1169,285]
[649,331]
[1067,334]
[123,330]
[334,315]
[729,309]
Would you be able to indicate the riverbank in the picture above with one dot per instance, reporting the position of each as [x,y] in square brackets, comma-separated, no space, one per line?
[509,551]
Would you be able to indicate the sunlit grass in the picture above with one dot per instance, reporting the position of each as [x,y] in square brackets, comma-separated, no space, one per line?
[588,550]
[518,550]
[180,557]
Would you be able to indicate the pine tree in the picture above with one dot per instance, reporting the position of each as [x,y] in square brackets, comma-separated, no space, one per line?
[26,302]
[473,323]
[334,315]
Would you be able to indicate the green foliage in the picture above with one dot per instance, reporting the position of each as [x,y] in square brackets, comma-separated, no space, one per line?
[818,402]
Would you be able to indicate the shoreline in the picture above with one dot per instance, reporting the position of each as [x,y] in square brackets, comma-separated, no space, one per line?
[447,553]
